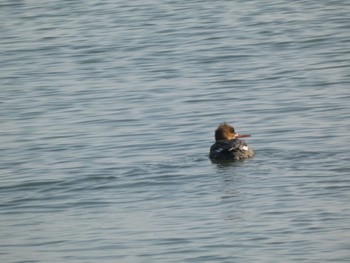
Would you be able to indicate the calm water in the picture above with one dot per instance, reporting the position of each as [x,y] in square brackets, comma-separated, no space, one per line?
[107,113]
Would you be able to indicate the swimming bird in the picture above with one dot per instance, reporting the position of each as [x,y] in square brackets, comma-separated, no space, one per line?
[227,146]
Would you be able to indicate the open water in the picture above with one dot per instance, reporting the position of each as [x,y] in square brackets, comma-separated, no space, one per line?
[108,109]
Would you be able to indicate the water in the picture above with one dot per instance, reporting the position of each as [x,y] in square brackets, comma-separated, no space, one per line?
[108,110]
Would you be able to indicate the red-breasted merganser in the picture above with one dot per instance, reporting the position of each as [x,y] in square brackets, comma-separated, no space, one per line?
[228,147]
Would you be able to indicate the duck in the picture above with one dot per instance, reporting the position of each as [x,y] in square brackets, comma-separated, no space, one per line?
[228,146]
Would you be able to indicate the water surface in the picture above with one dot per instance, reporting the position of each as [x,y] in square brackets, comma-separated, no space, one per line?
[108,110]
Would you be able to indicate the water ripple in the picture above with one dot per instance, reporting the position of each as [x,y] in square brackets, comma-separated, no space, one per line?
[107,114]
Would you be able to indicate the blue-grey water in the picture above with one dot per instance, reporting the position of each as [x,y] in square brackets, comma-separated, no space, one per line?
[108,109]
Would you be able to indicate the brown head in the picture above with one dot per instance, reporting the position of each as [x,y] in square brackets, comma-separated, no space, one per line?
[224,132]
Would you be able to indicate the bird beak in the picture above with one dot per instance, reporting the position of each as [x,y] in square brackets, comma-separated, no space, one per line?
[242,136]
